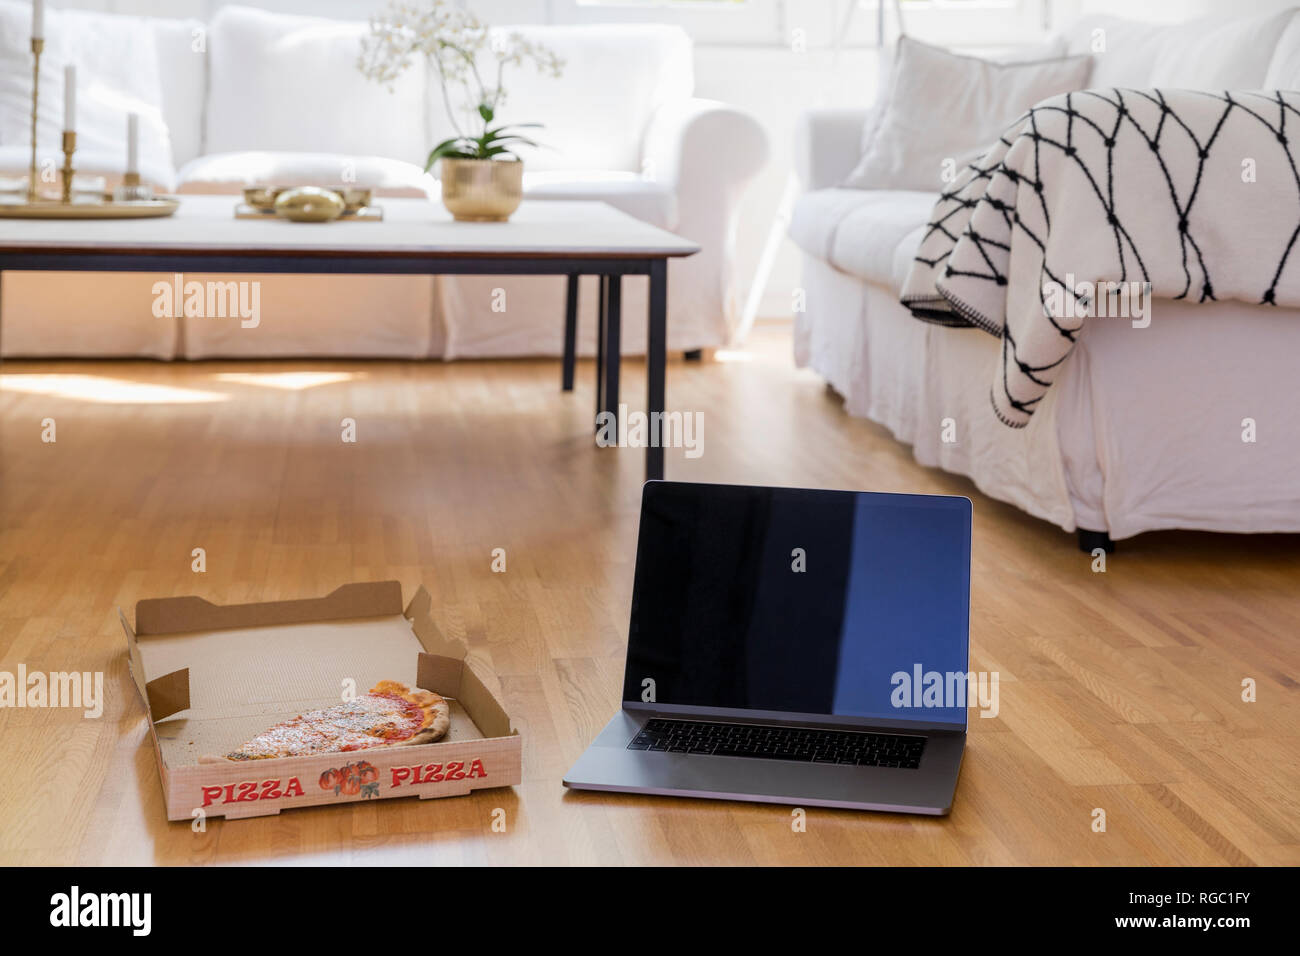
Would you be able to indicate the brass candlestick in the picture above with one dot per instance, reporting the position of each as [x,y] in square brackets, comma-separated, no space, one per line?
[132,190]
[69,147]
[38,45]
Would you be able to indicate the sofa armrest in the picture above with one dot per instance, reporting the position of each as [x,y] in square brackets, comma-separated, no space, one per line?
[693,141]
[707,153]
[827,145]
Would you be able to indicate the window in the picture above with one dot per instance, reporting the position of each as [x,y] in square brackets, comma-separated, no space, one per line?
[822,24]
[745,22]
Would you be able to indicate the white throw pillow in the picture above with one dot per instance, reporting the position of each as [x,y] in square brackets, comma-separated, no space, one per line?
[1223,52]
[117,74]
[942,106]
[286,83]
[183,67]
[1052,49]
[595,114]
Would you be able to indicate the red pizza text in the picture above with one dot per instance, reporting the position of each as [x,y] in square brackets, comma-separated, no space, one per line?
[251,790]
[437,773]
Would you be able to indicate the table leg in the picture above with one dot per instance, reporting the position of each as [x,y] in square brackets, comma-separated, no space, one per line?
[570,332]
[602,302]
[656,357]
[613,332]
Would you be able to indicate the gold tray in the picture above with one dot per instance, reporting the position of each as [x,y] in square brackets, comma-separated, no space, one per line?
[364,214]
[51,209]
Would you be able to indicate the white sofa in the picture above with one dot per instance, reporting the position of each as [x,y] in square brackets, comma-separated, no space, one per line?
[1140,432]
[253,96]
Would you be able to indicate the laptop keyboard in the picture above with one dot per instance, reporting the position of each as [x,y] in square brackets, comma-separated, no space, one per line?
[902,751]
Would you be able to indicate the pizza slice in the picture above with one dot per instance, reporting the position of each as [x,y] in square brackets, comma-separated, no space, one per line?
[391,715]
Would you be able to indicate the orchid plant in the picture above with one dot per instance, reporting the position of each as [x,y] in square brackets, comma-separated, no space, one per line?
[459,49]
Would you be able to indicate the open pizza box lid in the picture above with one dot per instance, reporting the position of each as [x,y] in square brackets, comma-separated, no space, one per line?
[212,676]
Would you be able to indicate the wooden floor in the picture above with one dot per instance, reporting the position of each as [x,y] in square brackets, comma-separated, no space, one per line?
[1119,691]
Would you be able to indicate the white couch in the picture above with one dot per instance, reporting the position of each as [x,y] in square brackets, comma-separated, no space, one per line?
[255,97]
[1140,432]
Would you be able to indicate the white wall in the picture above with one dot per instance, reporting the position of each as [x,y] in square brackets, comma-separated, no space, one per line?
[1168,11]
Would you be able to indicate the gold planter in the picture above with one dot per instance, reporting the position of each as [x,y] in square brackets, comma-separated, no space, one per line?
[481,190]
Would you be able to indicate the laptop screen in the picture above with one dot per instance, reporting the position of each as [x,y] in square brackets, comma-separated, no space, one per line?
[811,602]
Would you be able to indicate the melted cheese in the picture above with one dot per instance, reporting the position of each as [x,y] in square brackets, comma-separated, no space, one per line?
[372,720]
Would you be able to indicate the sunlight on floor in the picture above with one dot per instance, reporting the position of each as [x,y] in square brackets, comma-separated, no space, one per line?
[733,355]
[289,381]
[109,391]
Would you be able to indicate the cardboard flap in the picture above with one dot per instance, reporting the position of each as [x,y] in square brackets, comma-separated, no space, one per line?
[420,613]
[440,674]
[169,694]
[134,665]
[487,714]
[181,614]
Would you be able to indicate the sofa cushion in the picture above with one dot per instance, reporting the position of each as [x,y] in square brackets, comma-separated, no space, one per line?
[912,142]
[859,231]
[230,172]
[905,254]
[595,113]
[282,83]
[117,74]
[1215,53]
[817,214]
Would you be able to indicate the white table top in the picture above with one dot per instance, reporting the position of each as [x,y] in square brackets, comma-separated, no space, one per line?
[541,229]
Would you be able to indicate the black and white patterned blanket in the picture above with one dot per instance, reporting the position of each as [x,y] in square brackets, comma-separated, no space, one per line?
[1096,203]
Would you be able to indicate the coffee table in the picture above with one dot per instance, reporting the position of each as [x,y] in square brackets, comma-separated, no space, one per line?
[417,237]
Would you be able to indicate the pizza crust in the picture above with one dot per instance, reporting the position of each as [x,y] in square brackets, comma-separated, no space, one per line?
[437,712]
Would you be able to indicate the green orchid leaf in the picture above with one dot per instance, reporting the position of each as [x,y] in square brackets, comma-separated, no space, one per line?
[454,148]
[515,140]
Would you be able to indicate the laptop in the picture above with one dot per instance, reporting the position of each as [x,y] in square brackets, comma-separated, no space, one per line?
[793,646]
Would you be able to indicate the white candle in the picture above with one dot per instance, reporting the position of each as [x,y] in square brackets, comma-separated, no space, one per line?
[132,142]
[69,98]
[38,19]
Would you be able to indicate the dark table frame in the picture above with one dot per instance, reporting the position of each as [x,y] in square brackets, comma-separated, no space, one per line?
[610,269]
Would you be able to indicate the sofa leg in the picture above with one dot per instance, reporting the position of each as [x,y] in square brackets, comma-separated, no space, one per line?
[1089,541]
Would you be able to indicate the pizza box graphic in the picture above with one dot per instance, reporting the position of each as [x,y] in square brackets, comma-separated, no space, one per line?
[212,676]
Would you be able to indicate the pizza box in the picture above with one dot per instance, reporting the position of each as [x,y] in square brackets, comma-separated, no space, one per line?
[213,676]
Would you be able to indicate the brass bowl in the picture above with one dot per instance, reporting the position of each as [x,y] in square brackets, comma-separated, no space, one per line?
[262,198]
[481,190]
[354,197]
[308,204]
